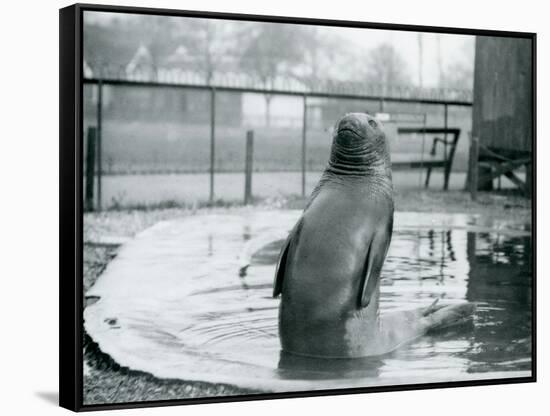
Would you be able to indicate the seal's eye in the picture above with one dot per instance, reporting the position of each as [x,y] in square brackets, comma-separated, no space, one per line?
[372,123]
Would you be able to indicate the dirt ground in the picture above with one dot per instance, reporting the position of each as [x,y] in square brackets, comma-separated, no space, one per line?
[107,382]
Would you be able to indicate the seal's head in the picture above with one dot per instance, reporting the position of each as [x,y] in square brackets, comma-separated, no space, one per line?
[359,144]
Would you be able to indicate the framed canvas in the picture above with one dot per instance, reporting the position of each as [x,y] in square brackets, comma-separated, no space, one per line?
[256,207]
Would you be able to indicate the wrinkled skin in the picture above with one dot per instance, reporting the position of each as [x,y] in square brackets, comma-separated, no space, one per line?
[328,273]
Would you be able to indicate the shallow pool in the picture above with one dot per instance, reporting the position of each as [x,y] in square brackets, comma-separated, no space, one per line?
[175,302]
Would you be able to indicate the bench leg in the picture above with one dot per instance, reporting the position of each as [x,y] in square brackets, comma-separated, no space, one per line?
[446,176]
[428,173]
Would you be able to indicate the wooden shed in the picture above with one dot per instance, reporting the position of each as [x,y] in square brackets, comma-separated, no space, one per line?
[502,126]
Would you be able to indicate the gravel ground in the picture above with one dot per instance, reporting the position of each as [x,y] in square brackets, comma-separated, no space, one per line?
[104,380]
[107,382]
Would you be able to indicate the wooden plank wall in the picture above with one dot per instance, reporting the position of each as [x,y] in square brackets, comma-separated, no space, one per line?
[502,111]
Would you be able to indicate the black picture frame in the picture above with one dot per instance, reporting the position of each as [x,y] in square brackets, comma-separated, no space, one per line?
[71,204]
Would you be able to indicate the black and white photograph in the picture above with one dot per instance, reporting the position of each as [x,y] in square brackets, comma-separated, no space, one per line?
[276,207]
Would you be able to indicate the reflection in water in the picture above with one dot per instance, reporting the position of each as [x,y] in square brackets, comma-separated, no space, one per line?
[185,307]
[293,366]
[500,280]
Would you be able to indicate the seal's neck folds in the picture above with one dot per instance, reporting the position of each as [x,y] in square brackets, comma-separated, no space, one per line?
[360,163]
[359,152]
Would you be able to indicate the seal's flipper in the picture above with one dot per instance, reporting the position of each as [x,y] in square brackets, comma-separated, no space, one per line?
[373,265]
[254,245]
[283,257]
[280,270]
[432,308]
[450,315]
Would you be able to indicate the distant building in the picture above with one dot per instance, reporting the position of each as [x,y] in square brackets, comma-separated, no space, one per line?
[142,66]
[161,104]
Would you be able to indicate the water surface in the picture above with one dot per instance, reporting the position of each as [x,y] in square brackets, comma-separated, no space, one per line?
[176,303]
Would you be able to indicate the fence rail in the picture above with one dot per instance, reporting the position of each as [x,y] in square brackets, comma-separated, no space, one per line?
[282,85]
[151,77]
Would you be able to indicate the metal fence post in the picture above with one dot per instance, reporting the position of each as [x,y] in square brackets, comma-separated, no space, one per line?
[212,140]
[98,138]
[249,152]
[304,131]
[90,165]
[446,126]
[343,92]
[447,170]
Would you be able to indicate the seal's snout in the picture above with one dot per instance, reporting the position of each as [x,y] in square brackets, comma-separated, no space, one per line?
[350,123]
[355,129]
[353,123]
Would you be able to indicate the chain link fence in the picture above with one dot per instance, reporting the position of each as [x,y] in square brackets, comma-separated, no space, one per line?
[167,136]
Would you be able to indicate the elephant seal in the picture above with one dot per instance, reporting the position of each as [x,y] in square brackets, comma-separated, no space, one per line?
[328,272]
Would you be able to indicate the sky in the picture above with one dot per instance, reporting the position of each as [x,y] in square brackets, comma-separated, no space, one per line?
[453,49]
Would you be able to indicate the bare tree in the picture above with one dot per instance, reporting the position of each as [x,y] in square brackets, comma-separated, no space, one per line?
[209,46]
[386,67]
[155,33]
[320,53]
[440,71]
[272,51]
[99,47]
[420,61]
[460,74]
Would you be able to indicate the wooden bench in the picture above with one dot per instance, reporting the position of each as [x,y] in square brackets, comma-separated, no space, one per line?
[435,159]
[486,164]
